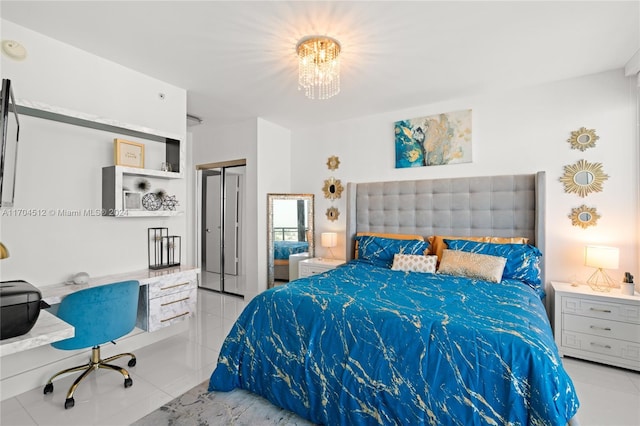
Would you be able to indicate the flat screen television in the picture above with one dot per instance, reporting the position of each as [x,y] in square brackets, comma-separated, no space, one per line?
[10,125]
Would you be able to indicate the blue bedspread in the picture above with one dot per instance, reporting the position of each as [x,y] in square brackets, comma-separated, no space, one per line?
[367,345]
[284,249]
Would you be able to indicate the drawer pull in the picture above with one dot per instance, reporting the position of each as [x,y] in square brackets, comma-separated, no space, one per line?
[598,345]
[606,311]
[175,301]
[174,317]
[174,286]
[595,327]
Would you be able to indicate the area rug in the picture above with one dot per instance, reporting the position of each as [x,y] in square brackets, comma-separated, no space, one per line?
[202,408]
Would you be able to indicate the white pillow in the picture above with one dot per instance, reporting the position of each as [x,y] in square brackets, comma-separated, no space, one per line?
[472,265]
[414,263]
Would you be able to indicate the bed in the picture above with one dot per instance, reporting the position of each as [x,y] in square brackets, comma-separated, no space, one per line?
[282,250]
[377,342]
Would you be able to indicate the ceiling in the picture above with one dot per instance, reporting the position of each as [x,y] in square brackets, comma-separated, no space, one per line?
[237,59]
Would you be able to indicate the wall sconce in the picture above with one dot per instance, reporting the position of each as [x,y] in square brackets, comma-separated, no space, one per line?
[329,240]
[601,258]
[4,252]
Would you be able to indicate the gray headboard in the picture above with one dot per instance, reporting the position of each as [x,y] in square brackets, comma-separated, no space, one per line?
[501,206]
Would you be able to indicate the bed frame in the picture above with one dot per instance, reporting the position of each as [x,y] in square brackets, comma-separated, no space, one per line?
[501,206]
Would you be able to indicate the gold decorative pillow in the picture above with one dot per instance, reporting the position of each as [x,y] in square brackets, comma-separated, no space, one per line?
[437,244]
[384,235]
[414,263]
[472,265]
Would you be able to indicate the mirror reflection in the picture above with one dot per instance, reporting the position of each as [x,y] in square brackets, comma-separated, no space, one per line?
[289,235]
[583,178]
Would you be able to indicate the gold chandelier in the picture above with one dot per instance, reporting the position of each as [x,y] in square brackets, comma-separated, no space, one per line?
[319,66]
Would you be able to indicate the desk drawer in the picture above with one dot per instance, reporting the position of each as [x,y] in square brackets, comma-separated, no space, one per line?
[169,309]
[601,327]
[603,310]
[170,284]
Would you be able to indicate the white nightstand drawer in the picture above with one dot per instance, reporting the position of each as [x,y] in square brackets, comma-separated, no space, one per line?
[600,327]
[601,345]
[599,309]
[312,270]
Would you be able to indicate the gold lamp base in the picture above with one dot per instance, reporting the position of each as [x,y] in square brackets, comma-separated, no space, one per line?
[600,281]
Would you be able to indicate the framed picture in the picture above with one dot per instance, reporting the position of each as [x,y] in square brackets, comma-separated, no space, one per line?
[132,200]
[130,154]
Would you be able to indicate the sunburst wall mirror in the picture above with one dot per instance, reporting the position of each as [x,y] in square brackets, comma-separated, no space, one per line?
[332,188]
[333,162]
[583,178]
[584,216]
[332,213]
[583,138]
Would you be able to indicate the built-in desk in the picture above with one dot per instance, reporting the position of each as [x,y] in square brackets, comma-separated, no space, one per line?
[48,329]
[166,296]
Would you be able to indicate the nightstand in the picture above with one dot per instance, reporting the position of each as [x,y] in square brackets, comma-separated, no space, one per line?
[597,326]
[317,265]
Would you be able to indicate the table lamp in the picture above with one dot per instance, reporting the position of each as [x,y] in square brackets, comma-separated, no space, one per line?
[328,240]
[601,258]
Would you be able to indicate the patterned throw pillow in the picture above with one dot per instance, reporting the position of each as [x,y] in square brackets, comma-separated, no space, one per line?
[472,265]
[414,263]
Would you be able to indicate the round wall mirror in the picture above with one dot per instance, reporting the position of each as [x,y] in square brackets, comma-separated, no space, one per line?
[332,188]
[584,216]
[583,138]
[583,178]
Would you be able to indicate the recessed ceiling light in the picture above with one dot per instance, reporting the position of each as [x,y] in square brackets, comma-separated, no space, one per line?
[14,50]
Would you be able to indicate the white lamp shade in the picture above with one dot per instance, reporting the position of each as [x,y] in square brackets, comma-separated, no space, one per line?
[329,239]
[601,257]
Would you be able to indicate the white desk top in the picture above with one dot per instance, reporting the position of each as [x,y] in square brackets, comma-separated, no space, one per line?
[53,294]
[49,328]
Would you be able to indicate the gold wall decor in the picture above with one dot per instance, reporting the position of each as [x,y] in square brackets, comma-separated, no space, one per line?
[584,216]
[333,162]
[332,213]
[332,188]
[583,138]
[583,178]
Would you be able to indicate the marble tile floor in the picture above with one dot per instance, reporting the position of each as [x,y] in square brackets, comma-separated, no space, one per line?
[167,369]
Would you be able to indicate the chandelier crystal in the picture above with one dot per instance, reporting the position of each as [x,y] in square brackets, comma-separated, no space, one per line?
[319,67]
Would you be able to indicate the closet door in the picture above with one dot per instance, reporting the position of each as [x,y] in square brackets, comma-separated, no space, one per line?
[231,223]
[213,224]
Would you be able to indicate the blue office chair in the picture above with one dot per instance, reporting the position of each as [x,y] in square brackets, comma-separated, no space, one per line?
[99,314]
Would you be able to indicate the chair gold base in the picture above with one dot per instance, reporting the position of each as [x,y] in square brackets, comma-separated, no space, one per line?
[94,363]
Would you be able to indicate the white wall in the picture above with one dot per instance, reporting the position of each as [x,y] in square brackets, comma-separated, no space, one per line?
[60,165]
[60,168]
[517,131]
[266,148]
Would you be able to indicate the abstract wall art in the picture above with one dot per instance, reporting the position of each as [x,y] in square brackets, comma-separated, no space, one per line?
[434,140]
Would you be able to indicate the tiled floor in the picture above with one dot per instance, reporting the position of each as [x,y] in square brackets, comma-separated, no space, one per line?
[167,369]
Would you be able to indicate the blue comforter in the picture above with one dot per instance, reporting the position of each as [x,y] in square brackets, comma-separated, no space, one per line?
[368,345]
[284,249]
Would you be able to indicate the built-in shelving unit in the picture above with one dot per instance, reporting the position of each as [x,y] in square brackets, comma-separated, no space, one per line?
[116,179]
[114,183]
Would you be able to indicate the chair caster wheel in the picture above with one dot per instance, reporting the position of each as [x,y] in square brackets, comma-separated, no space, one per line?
[48,388]
[132,362]
[128,382]
[69,403]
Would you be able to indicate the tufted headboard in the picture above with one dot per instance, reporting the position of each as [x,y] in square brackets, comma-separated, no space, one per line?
[501,206]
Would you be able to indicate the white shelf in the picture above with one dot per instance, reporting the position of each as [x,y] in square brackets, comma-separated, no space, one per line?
[113,184]
[147,172]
